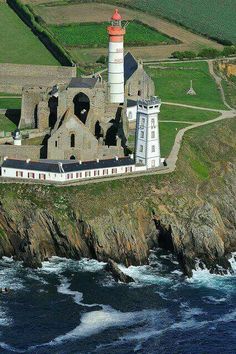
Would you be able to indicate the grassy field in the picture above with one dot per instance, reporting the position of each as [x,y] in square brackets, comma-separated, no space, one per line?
[6,124]
[95,35]
[168,133]
[10,103]
[173,82]
[185,114]
[18,43]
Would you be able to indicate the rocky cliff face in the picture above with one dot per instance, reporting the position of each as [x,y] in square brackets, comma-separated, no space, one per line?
[192,212]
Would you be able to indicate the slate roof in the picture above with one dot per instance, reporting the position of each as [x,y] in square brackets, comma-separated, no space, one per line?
[130,65]
[83,82]
[131,103]
[53,166]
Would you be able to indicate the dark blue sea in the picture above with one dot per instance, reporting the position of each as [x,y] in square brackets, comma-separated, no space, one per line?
[76,307]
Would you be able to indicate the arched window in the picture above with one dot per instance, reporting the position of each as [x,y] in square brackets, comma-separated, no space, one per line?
[81,106]
[139,93]
[72,140]
[72,157]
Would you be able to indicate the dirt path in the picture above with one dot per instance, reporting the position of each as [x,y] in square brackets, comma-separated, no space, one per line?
[194,107]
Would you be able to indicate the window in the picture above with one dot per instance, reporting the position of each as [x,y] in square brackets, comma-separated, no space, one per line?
[96,173]
[152,122]
[56,143]
[114,170]
[78,174]
[153,148]
[128,169]
[105,172]
[142,134]
[42,176]
[30,175]
[139,92]
[19,174]
[153,134]
[88,174]
[69,175]
[142,123]
[141,148]
[140,161]
[72,140]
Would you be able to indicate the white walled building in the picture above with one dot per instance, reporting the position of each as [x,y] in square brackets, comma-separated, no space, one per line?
[147,141]
[65,171]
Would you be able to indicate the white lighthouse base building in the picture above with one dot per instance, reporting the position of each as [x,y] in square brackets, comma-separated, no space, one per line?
[147,144]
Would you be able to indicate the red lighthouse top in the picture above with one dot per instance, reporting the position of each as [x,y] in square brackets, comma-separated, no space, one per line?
[116,16]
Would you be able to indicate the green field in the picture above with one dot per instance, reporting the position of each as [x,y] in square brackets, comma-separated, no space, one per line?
[10,103]
[215,18]
[173,82]
[18,44]
[95,35]
[168,133]
[185,114]
[6,124]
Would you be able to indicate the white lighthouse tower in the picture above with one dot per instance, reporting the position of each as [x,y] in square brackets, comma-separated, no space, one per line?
[147,144]
[116,59]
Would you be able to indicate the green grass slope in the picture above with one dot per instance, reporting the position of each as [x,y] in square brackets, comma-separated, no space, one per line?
[173,81]
[18,44]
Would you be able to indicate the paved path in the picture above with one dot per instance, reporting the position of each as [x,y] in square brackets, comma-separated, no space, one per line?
[173,157]
[195,107]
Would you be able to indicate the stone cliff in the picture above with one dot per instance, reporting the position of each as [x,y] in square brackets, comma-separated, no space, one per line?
[191,212]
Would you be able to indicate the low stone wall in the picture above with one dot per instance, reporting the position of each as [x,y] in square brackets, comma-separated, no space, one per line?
[20,152]
[16,76]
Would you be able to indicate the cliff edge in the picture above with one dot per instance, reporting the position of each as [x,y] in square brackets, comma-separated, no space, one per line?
[191,212]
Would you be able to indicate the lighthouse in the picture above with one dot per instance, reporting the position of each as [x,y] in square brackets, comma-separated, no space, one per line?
[147,144]
[116,59]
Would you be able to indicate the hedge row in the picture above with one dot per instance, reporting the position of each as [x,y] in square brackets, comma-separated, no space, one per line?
[27,16]
[209,53]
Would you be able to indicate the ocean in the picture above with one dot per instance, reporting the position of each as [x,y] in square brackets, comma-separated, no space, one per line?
[76,307]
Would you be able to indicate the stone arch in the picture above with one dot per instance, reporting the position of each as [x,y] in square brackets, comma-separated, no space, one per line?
[81,106]
[72,140]
[72,157]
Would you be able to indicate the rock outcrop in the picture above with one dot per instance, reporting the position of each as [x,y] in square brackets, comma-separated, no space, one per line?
[118,275]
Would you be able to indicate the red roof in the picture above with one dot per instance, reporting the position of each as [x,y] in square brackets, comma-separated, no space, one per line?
[116,16]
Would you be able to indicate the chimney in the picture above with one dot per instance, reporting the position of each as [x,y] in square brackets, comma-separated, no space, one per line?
[98,160]
[5,158]
[131,156]
[80,162]
[28,160]
[116,157]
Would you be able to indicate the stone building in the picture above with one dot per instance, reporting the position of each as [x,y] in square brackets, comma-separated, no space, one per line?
[77,118]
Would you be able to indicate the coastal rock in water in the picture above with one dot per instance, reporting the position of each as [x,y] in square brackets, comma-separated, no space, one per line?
[117,274]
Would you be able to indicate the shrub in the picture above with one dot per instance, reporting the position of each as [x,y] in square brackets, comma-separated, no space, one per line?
[210,53]
[183,55]
[103,59]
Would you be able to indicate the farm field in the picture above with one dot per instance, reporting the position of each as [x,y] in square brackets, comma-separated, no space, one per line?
[62,13]
[95,35]
[172,82]
[18,43]
[214,18]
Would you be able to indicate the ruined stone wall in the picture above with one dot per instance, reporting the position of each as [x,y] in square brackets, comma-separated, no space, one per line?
[15,76]
[20,152]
